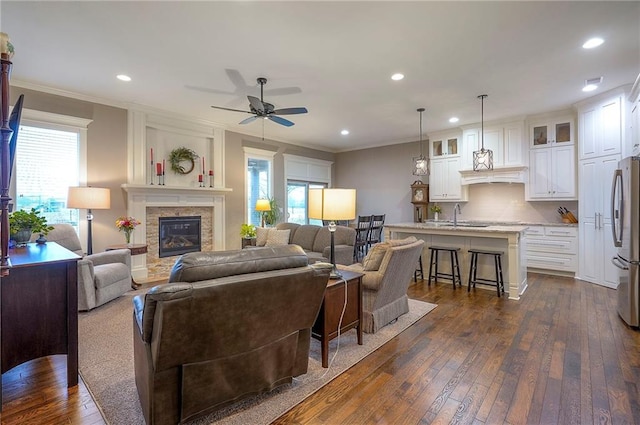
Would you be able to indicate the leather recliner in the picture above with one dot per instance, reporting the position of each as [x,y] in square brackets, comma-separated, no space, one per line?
[229,325]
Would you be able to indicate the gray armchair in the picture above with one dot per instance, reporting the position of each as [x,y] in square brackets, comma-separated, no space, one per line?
[102,277]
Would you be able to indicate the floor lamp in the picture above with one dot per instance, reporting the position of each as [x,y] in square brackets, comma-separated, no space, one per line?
[332,205]
[263,205]
[90,198]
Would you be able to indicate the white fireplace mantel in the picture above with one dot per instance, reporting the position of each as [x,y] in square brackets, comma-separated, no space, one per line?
[140,196]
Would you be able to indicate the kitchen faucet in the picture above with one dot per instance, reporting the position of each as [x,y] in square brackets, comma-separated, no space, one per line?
[456,211]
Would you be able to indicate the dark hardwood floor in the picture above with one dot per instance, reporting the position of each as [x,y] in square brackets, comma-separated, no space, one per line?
[560,355]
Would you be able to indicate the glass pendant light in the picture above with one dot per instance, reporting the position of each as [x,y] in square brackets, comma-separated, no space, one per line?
[482,159]
[420,163]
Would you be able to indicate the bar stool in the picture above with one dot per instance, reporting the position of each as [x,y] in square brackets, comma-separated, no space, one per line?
[455,265]
[419,271]
[473,270]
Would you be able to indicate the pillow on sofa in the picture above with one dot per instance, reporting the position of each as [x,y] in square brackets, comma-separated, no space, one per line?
[374,257]
[261,235]
[401,242]
[278,237]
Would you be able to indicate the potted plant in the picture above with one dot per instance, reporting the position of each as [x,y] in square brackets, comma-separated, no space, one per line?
[436,210]
[23,223]
[271,217]
[248,233]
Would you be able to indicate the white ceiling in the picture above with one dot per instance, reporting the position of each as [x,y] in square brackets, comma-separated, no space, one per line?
[183,56]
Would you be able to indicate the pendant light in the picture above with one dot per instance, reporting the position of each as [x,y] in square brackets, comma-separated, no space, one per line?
[482,159]
[420,163]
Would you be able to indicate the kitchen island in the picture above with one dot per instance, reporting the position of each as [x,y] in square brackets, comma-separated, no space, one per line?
[510,239]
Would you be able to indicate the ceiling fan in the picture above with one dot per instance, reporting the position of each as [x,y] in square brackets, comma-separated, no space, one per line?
[261,109]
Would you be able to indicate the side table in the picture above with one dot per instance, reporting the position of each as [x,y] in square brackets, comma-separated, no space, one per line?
[136,249]
[326,326]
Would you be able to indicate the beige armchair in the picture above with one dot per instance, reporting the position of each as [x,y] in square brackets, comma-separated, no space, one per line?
[388,269]
[102,277]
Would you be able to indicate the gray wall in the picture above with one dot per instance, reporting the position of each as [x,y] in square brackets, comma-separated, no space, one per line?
[236,170]
[382,177]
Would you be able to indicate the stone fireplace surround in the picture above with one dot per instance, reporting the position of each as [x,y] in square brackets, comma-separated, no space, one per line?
[152,201]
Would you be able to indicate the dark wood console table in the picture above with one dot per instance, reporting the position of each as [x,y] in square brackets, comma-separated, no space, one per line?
[39,307]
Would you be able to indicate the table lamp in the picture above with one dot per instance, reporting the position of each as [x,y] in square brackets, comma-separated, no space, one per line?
[263,205]
[332,205]
[89,198]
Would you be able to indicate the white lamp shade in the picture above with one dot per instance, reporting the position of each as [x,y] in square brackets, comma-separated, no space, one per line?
[89,197]
[263,205]
[332,204]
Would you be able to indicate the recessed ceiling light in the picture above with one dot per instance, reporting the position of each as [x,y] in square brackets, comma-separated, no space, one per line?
[593,42]
[454,119]
[123,77]
[589,87]
[397,76]
[344,132]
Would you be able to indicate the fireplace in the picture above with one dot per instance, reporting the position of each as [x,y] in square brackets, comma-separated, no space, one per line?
[178,235]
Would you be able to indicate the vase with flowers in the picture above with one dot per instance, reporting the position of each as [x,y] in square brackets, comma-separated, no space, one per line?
[436,210]
[127,225]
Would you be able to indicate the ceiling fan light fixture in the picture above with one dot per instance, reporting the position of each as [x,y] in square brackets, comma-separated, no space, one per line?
[420,163]
[483,158]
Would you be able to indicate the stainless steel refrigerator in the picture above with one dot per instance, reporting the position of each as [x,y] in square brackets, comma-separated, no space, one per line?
[625,212]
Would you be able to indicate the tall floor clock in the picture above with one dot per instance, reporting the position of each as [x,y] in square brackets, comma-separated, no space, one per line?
[420,200]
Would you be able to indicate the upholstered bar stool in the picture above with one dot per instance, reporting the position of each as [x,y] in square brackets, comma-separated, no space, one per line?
[454,276]
[473,270]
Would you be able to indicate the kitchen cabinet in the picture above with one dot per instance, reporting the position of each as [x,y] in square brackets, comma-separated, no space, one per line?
[543,133]
[601,127]
[445,181]
[443,144]
[633,144]
[505,140]
[596,242]
[552,249]
[552,173]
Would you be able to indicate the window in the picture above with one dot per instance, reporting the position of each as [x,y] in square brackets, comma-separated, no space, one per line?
[50,157]
[297,202]
[259,181]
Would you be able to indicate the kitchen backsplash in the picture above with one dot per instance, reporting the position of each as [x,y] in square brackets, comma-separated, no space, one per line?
[505,202]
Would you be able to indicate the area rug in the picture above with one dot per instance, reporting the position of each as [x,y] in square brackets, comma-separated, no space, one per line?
[106,366]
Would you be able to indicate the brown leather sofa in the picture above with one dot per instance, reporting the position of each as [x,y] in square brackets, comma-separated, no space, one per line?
[229,325]
[316,241]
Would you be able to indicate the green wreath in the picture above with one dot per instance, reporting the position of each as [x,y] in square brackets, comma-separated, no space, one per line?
[182,155]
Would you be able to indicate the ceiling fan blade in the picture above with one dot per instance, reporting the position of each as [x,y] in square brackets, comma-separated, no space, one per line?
[248,120]
[256,104]
[291,111]
[282,91]
[231,109]
[280,120]
[236,79]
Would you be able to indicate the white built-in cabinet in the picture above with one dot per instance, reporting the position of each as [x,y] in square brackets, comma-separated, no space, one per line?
[601,132]
[505,140]
[633,143]
[596,243]
[552,249]
[445,181]
[552,162]
[552,173]
[444,144]
[601,128]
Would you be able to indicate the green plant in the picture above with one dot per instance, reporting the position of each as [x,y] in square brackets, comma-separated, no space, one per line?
[179,156]
[435,208]
[28,220]
[248,231]
[271,217]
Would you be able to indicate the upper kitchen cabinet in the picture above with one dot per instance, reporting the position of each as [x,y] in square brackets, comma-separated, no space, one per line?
[444,144]
[505,140]
[601,125]
[555,130]
[445,181]
[552,174]
[633,145]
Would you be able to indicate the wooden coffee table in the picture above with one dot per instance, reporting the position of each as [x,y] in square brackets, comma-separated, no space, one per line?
[326,326]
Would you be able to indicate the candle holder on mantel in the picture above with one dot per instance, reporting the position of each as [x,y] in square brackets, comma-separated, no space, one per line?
[200,180]
[210,178]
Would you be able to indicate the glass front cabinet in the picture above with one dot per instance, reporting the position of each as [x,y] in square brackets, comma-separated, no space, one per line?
[557,131]
[442,144]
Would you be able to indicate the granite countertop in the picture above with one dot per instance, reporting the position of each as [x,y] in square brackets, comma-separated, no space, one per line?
[463,226]
[508,223]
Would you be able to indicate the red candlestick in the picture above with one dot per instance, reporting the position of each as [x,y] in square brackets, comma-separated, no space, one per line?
[211,172]
[158,169]
[152,155]
[200,178]
[163,167]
